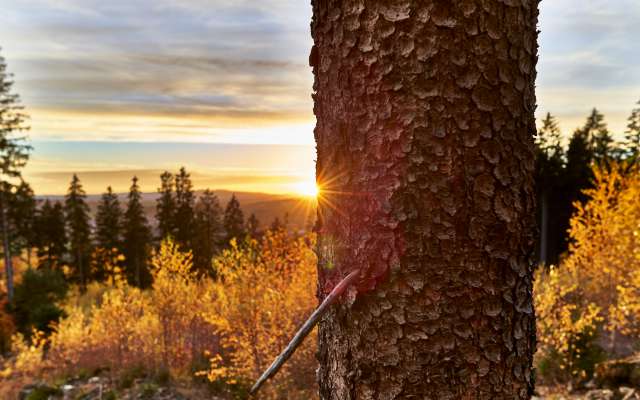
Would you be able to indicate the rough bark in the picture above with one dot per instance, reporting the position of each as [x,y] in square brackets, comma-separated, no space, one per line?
[425,155]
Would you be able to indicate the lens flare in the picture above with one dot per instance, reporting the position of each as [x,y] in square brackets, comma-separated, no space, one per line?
[308,188]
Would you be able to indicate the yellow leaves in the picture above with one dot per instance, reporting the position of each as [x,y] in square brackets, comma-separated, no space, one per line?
[597,287]
[29,357]
[265,291]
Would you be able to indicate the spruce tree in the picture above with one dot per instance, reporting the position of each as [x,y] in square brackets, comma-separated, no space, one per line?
[108,230]
[549,178]
[276,225]
[233,220]
[14,153]
[209,231]
[21,215]
[79,230]
[600,139]
[166,206]
[51,237]
[632,136]
[109,221]
[184,215]
[137,239]
[253,226]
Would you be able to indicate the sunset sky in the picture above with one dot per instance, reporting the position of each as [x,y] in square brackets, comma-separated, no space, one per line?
[223,87]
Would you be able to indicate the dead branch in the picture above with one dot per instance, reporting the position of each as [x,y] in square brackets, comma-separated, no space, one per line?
[303,332]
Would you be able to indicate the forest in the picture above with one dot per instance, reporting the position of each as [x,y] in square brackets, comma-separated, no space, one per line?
[508,280]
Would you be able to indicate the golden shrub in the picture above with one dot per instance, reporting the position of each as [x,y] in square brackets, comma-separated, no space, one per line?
[596,289]
[264,293]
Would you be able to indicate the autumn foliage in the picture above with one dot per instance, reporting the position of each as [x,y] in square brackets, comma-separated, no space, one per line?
[187,326]
[588,307]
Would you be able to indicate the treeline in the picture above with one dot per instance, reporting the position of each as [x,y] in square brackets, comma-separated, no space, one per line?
[65,237]
[564,172]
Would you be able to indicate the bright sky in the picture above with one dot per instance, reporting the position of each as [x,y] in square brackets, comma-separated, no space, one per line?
[124,85]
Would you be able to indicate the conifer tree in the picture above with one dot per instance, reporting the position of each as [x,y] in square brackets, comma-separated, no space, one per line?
[600,139]
[22,215]
[79,230]
[253,226]
[233,220]
[184,214]
[166,206]
[51,235]
[209,231]
[549,174]
[632,136]
[14,153]
[137,239]
[108,228]
[276,225]
[109,221]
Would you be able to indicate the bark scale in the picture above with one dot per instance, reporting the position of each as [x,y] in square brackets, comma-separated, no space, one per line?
[425,158]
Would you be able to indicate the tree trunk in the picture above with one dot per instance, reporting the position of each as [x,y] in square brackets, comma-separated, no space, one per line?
[544,227]
[6,244]
[425,159]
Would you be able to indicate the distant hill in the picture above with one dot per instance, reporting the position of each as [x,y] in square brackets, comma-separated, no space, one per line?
[265,206]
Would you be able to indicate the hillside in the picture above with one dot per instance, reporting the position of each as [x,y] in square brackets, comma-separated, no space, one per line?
[265,206]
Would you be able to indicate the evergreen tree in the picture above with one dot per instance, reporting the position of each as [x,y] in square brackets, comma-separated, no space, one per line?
[276,225]
[14,153]
[51,237]
[78,227]
[233,220]
[632,136]
[137,239]
[600,139]
[166,206]
[184,215]
[209,231]
[109,221]
[22,215]
[108,228]
[253,226]
[579,158]
[549,174]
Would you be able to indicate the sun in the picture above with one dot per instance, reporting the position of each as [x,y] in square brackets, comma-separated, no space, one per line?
[308,188]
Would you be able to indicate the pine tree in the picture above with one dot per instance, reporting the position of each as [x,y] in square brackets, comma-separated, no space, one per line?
[137,239]
[79,230]
[632,136]
[233,220]
[184,215]
[108,228]
[253,226]
[51,237]
[14,153]
[166,206]
[209,231]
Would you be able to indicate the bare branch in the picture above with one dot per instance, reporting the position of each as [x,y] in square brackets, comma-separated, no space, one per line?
[303,332]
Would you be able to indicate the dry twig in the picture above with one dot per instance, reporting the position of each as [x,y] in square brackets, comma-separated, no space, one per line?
[303,332]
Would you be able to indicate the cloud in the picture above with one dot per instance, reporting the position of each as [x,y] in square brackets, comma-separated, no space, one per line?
[226,63]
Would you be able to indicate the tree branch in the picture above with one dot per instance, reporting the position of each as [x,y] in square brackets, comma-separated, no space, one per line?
[303,332]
